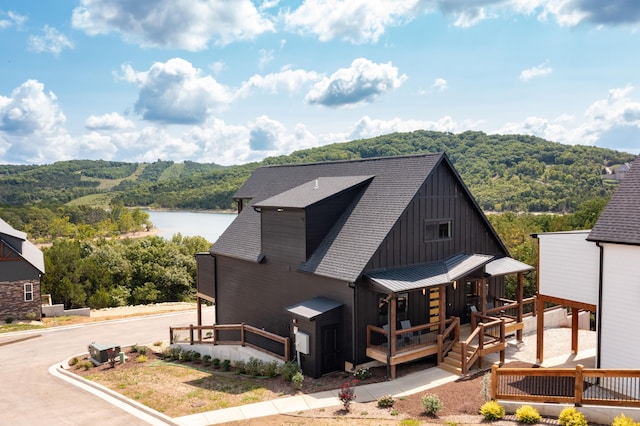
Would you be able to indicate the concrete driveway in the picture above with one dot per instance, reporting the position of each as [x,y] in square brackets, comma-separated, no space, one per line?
[33,396]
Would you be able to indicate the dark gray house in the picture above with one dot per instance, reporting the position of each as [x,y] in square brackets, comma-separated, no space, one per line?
[21,266]
[341,255]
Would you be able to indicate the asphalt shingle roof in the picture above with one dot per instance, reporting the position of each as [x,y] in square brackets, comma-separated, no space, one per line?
[349,245]
[17,240]
[620,220]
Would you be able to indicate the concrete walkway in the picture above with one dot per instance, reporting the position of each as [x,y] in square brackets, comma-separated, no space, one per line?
[402,386]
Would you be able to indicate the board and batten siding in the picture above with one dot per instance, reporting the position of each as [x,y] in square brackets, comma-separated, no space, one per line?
[440,198]
[283,234]
[257,294]
[620,343]
[568,266]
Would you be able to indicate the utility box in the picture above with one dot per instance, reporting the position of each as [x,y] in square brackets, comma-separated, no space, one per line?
[100,352]
[302,342]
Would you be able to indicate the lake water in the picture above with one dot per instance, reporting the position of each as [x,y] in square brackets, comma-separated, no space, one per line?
[190,224]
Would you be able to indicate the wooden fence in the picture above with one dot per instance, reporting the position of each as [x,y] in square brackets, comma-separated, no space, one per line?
[578,386]
[233,334]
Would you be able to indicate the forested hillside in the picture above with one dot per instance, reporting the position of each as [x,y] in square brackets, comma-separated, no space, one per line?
[504,173]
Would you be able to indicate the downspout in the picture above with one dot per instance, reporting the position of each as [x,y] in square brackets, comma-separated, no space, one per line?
[354,328]
[599,316]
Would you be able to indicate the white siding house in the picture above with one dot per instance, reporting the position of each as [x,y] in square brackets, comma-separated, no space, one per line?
[599,270]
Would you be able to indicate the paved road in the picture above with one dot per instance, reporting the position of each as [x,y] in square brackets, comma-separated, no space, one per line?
[30,395]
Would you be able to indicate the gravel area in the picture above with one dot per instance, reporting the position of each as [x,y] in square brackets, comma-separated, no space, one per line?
[557,346]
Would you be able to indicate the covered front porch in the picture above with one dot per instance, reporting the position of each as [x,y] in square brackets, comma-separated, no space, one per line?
[456,315]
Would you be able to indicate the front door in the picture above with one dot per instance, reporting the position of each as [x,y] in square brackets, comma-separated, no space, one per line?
[329,349]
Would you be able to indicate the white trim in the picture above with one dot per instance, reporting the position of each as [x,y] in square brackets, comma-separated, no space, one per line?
[28,292]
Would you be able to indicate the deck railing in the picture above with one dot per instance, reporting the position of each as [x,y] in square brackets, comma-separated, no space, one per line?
[408,339]
[578,386]
[233,334]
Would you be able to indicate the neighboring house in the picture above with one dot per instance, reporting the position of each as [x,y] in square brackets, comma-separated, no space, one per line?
[21,266]
[617,172]
[331,253]
[599,270]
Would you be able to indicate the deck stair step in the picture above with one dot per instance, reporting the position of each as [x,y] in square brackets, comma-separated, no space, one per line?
[453,361]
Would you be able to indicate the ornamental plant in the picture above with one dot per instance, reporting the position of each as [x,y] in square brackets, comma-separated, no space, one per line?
[491,410]
[623,420]
[528,415]
[386,401]
[431,404]
[347,393]
[571,417]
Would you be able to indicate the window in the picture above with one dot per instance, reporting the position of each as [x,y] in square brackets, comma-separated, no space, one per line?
[437,230]
[28,292]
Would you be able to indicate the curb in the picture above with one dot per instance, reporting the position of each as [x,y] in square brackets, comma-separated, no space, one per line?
[19,339]
[135,408]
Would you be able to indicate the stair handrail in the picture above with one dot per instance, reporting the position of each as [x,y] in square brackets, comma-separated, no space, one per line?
[454,330]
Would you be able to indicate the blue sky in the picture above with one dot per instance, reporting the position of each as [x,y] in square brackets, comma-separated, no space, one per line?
[235,81]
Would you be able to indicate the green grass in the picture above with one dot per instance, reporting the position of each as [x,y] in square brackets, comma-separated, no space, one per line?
[172,172]
[9,328]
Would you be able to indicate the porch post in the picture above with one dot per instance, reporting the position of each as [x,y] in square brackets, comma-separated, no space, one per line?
[442,307]
[483,295]
[574,329]
[520,297]
[392,332]
[540,330]
[199,305]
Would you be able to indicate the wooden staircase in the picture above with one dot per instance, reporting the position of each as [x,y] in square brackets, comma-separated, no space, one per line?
[453,361]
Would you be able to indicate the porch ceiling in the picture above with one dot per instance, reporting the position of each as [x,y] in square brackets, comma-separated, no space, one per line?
[427,275]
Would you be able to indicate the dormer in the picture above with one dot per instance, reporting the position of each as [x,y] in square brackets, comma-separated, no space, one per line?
[294,223]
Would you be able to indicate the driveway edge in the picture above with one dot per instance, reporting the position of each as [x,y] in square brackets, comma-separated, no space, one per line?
[141,411]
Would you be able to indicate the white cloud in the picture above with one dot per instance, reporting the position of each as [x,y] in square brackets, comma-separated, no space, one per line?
[217,67]
[112,121]
[537,71]
[440,84]
[182,24]
[10,18]
[362,82]
[288,80]
[357,21]
[176,92]
[52,42]
[616,114]
[266,56]
[369,128]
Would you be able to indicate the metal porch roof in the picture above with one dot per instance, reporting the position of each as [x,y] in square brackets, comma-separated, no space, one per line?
[506,266]
[428,275]
[312,308]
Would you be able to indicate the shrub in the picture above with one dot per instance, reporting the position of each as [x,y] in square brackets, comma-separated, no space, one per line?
[225,365]
[31,315]
[216,363]
[73,361]
[254,367]
[528,415]
[491,410]
[347,393]
[142,350]
[134,348]
[623,420]
[386,401]
[271,369]
[195,356]
[172,353]
[141,358]
[9,320]
[431,404]
[288,370]
[240,366]
[362,373]
[297,379]
[86,364]
[571,417]
[206,359]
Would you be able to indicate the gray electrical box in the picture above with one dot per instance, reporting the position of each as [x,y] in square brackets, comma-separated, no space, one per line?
[100,352]
[302,342]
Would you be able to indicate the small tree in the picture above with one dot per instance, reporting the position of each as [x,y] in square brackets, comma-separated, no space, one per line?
[347,393]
